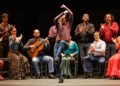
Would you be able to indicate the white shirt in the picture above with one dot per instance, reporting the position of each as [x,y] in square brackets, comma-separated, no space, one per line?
[100,47]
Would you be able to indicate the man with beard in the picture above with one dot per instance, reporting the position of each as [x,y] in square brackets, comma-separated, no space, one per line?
[42,56]
[84,35]
[109,30]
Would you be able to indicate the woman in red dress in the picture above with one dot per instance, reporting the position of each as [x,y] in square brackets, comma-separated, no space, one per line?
[113,71]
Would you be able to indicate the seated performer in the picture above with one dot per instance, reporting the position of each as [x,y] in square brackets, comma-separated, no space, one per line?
[113,70]
[19,65]
[41,56]
[67,56]
[96,54]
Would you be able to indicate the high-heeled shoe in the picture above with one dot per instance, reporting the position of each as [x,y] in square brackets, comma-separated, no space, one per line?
[113,78]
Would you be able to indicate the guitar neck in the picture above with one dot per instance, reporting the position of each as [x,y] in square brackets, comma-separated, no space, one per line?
[41,43]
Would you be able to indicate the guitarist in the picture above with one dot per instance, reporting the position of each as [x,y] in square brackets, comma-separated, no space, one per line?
[41,55]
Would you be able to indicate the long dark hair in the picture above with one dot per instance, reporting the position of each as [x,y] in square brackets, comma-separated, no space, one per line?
[112,17]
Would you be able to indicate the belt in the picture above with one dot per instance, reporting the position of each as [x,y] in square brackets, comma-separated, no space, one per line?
[61,40]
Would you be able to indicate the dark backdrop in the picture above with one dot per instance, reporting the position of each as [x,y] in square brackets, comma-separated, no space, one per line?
[27,16]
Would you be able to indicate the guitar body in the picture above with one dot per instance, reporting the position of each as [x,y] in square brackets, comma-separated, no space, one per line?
[33,52]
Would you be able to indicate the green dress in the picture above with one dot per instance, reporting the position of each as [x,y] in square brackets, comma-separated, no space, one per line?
[65,61]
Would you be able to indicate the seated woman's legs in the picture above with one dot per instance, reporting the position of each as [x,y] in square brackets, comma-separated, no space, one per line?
[68,61]
[15,70]
[25,65]
[63,66]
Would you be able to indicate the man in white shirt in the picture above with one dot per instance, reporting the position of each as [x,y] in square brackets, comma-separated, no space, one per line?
[96,53]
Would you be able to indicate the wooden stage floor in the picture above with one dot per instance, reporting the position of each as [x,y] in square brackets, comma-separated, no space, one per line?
[67,82]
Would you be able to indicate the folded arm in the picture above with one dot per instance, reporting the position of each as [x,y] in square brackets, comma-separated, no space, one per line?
[56,19]
[114,28]
[92,30]
[70,15]
[102,49]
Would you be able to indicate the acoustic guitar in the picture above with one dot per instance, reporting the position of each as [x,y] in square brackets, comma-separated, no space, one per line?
[33,52]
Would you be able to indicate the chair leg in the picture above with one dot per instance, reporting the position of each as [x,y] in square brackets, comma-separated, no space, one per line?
[9,69]
[75,70]
[46,70]
[92,71]
[31,70]
[105,70]
[41,69]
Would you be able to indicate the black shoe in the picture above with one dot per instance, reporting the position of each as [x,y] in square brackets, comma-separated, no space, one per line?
[85,76]
[23,77]
[38,76]
[61,80]
[64,76]
[89,75]
[57,60]
[68,77]
[99,76]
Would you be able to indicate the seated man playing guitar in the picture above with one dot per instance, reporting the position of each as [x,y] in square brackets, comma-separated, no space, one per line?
[36,49]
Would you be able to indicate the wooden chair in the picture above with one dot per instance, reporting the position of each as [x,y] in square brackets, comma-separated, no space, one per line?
[75,67]
[6,67]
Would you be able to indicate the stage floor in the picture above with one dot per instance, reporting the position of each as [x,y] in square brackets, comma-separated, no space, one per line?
[67,82]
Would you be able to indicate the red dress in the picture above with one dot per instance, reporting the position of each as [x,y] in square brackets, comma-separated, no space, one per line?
[114,66]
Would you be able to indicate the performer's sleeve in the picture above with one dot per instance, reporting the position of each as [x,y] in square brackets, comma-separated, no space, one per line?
[52,32]
[89,52]
[1,32]
[21,44]
[115,28]
[56,19]
[70,16]
[11,26]
[101,32]
[76,49]
[77,31]
[102,49]
[11,41]
[47,47]
[26,46]
[92,30]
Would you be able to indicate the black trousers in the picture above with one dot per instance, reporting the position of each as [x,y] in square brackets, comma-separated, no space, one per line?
[83,51]
[83,47]
[110,50]
[4,49]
